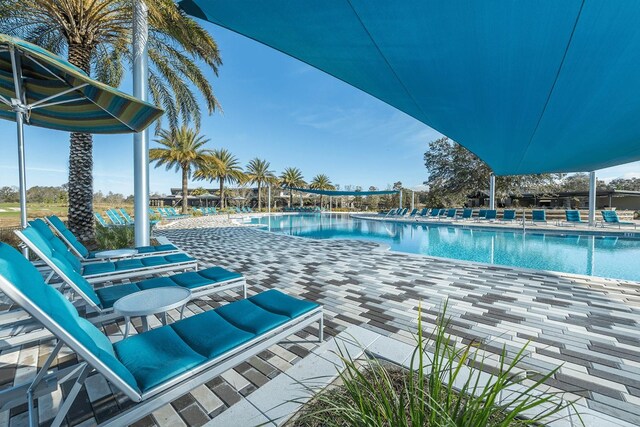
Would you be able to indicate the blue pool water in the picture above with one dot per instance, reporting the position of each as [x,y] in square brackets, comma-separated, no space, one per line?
[614,257]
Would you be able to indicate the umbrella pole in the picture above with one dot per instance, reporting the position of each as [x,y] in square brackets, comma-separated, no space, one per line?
[18,106]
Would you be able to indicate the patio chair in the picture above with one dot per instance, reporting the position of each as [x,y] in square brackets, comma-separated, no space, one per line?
[482,213]
[466,214]
[611,217]
[391,212]
[452,213]
[202,282]
[174,214]
[538,216]
[423,212]
[85,254]
[123,212]
[157,366]
[48,250]
[434,214]
[508,215]
[114,217]
[572,216]
[489,215]
[100,219]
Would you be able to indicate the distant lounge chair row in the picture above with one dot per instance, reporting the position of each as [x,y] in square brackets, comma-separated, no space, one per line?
[243,209]
[609,218]
[167,213]
[206,211]
[508,215]
[115,216]
[152,367]
[301,209]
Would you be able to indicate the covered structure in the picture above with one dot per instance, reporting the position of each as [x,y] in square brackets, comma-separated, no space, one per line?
[343,193]
[530,87]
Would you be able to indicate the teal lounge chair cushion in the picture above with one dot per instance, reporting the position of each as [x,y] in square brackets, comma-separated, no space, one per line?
[62,229]
[285,305]
[159,248]
[110,294]
[249,317]
[156,356]
[209,334]
[132,264]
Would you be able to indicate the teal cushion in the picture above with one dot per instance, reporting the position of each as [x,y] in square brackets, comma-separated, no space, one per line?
[179,257]
[110,294]
[249,317]
[209,334]
[156,282]
[159,248]
[156,356]
[98,268]
[71,238]
[279,303]
[219,274]
[130,264]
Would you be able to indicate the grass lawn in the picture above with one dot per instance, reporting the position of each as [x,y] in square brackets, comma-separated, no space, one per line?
[10,212]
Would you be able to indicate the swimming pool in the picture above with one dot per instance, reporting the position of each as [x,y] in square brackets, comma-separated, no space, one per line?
[604,256]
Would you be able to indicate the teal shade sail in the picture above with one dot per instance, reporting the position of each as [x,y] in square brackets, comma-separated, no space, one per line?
[343,193]
[528,86]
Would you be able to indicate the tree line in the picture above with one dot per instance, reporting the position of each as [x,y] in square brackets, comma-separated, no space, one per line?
[455,173]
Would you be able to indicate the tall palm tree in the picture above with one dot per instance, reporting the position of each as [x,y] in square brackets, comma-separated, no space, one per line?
[292,177]
[258,173]
[181,149]
[96,37]
[321,182]
[223,166]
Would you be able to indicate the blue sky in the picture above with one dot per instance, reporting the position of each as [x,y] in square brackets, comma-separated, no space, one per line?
[275,108]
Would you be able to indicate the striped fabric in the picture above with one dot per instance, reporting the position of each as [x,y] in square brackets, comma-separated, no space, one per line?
[95,108]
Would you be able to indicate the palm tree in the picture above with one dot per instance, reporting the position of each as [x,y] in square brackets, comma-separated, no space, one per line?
[223,166]
[258,173]
[292,177]
[96,37]
[321,182]
[182,149]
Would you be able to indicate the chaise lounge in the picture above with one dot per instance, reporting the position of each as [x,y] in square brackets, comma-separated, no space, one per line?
[157,366]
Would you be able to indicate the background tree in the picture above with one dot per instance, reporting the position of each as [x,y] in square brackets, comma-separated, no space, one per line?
[579,182]
[292,177]
[96,37]
[222,166]
[182,149]
[258,173]
[321,182]
[455,173]
[629,184]
[373,201]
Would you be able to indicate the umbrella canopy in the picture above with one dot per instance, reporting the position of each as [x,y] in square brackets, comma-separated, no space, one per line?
[58,95]
[41,89]
[528,86]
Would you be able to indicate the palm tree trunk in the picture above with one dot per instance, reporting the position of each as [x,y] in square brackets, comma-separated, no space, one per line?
[259,197]
[185,189]
[80,213]
[222,204]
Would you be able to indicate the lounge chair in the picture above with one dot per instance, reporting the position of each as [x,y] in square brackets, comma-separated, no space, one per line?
[611,218]
[572,216]
[114,217]
[413,213]
[202,282]
[423,213]
[48,250]
[508,215]
[482,213]
[434,214]
[392,212]
[489,215]
[100,219]
[538,216]
[442,214]
[85,254]
[175,215]
[452,213]
[466,214]
[123,212]
[157,366]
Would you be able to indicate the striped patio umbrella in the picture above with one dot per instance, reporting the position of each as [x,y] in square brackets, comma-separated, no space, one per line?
[41,89]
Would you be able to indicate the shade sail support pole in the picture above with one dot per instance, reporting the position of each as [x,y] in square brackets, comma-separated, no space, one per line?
[492,191]
[592,199]
[269,201]
[400,199]
[141,139]
[413,200]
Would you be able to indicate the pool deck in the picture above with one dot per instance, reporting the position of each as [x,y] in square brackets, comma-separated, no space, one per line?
[589,325]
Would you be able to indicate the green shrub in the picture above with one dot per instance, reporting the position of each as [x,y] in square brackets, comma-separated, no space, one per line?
[114,237]
[372,393]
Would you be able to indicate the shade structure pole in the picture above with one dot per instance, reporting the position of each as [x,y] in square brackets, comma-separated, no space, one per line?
[18,104]
[400,203]
[413,200]
[141,139]
[269,204]
[492,191]
[592,199]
